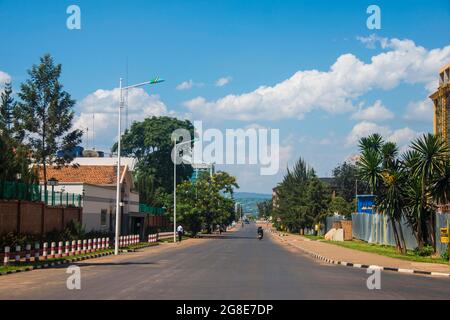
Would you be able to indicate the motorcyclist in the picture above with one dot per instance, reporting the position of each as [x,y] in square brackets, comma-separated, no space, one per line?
[260,232]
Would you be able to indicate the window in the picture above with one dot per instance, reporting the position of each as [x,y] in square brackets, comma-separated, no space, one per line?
[103,217]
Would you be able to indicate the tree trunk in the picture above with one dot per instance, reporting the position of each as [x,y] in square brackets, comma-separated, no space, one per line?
[419,234]
[433,230]
[397,239]
[402,237]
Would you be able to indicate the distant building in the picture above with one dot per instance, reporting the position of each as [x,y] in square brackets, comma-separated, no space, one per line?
[441,103]
[198,168]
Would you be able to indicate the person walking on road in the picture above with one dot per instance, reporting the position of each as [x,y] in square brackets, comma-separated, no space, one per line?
[180,232]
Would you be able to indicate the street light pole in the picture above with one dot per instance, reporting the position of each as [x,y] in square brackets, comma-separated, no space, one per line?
[116,244]
[175,157]
[118,187]
[175,193]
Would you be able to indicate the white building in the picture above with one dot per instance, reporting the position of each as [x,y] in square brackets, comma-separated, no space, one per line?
[95,179]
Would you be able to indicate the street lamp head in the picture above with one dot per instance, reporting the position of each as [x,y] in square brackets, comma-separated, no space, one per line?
[156,80]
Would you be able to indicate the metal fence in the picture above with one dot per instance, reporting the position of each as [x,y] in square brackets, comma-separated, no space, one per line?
[12,190]
[442,221]
[376,228]
[145,208]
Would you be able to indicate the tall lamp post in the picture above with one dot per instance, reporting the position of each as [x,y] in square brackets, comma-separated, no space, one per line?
[175,185]
[118,189]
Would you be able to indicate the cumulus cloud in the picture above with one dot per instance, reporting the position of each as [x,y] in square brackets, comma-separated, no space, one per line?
[372,40]
[223,81]
[103,105]
[376,112]
[189,84]
[4,78]
[334,90]
[421,111]
[401,136]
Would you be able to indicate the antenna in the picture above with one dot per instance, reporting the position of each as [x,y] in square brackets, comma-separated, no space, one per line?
[87,138]
[93,130]
[126,96]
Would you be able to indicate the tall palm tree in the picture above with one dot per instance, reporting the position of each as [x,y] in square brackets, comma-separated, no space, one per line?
[374,142]
[389,151]
[431,155]
[392,201]
[440,186]
[369,168]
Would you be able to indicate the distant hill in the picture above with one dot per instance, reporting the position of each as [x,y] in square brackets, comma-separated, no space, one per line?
[249,201]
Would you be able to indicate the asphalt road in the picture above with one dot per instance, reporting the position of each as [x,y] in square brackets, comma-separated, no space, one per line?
[237,266]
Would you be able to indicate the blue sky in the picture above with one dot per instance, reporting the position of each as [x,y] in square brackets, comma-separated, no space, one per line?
[251,44]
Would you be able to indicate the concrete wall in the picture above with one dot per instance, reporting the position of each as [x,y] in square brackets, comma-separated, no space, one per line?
[35,218]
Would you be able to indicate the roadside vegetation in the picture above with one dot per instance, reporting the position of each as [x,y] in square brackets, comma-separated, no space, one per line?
[409,188]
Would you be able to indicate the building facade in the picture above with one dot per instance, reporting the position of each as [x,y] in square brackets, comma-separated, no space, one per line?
[441,102]
[95,180]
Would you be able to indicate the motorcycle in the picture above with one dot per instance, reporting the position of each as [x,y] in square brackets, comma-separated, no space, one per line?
[260,236]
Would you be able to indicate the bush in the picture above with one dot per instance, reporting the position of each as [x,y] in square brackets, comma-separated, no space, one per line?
[73,231]
[444,254]
[425,252]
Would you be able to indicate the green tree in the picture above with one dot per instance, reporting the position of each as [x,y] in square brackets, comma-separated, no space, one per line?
[345,176]
[265,208]
[392,201]
[302,199]
[430,160]
[7,105]
[340,206]
[369,168]
[206,202]
[150,142]
[45,114]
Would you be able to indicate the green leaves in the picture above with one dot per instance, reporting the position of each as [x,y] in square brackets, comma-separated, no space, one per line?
[207,202]
[45,114]
[302,198]
[407,186]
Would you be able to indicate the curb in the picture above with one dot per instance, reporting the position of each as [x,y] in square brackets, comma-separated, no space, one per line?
[67,261]
[56,263]
[365,266]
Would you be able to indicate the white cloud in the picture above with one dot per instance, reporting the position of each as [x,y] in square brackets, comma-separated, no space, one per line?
[376,112]
[223,81]
[104,104]
[189,84]
[185,85]
[372,40]
[421,111]
[402,137]
[334,90]
[4,78]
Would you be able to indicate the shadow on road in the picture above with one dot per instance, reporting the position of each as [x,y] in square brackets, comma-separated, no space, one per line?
[115,263]
[213,236]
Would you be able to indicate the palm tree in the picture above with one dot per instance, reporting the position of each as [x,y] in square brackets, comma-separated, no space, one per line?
[374,142]
[389,151]
[430,158]
[391,201]
[440,186]
[369,168]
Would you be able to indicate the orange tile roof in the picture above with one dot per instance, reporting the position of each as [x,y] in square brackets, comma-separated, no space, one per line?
[87,174]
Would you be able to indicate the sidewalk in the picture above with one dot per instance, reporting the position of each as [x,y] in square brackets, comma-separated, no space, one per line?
[355,258]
